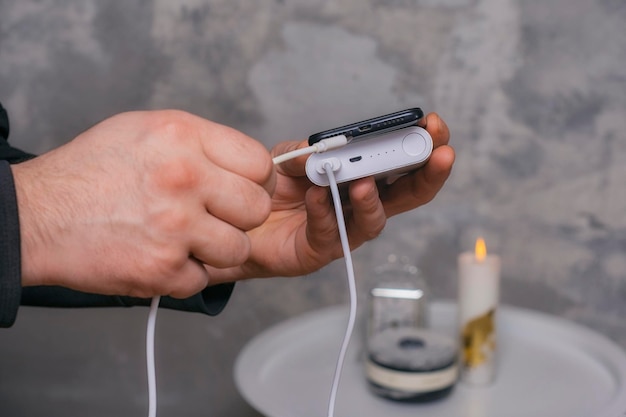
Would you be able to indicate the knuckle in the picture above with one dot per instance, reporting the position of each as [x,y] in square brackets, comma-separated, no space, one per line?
[261,167]
[162,261]
[168,142]
[230,248]
[169,260]
[156,272]
[169,125]
[374,231]
[176,174]
[172,123]
[370,204]
[187,284]
[263,208]
[257,208]
[236,249]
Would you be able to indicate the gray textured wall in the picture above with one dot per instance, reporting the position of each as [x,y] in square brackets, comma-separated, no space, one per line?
[534,92]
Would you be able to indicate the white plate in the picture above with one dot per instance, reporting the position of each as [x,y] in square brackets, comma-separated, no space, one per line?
[548,367]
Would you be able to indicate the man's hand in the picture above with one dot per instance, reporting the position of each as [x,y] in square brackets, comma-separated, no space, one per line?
[140,203]
[300,235]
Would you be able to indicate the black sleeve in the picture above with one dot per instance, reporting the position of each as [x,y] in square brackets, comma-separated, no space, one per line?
[210,301]
[10,268]
[8,153]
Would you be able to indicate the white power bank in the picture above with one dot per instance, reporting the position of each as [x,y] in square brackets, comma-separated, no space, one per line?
[388,155]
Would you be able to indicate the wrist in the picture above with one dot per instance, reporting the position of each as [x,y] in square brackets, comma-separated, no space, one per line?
[31,215]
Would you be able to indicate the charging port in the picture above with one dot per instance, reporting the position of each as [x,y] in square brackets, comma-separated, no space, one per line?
[365,128]
[355,158]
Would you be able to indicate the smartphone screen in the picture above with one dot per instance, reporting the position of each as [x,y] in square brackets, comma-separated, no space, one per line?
[397,120]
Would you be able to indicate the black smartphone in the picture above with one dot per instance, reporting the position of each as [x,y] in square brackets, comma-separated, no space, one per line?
[380,124]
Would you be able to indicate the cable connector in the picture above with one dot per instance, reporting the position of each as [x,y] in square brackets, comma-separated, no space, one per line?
[333,142]
[324,145]
[333,163]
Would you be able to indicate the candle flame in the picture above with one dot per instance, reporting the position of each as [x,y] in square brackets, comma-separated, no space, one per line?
[480,250]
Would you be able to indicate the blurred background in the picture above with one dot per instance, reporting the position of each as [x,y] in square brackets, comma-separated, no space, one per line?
[534,93]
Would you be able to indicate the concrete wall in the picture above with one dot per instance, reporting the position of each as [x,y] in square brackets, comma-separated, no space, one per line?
[534,93]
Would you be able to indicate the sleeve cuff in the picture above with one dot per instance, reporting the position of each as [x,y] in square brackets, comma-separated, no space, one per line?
[10,256]
[211,301]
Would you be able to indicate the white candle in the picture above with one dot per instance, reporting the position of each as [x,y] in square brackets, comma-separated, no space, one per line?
[479,287]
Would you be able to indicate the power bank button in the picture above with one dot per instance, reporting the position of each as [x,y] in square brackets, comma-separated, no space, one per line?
[414,144]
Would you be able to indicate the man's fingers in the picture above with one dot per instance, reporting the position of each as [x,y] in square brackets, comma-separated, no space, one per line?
[190,279]
[236,200]
[294,167]
[418,188]
[321,222]
[368,217]
[218,243]
[438,129]
[234,151]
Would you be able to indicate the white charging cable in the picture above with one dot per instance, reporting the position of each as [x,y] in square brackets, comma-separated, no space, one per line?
[151,367]
[324,145]
[329,167]
[321,146]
